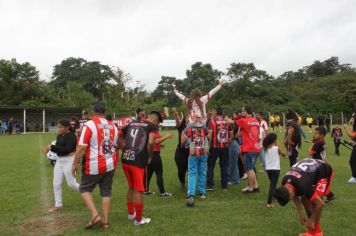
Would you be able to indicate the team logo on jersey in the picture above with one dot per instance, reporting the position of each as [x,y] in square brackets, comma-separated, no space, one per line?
[222,136]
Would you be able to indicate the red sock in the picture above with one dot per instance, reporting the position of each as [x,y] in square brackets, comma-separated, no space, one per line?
[139,210]
[317,228]
[131,208]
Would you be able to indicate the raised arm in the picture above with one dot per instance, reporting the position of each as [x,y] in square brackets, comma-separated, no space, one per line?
[181,96]
[213,91]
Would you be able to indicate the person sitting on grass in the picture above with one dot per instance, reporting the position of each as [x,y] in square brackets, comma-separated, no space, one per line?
[306,183]
[196,104]
[272,154]
[198,139]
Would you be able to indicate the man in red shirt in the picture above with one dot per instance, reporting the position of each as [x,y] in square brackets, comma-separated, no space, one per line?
[249,130]
[98,141]
[137,154]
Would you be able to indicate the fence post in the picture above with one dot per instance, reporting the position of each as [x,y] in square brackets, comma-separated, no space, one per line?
[24,120]
[43,120]
[284,119]
[342,118]
[269,123]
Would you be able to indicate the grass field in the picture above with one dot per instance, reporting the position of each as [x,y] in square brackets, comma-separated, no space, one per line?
[26,194]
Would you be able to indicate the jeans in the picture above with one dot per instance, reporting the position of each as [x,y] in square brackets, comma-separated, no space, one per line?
[197,165]
[273,176]
[233,169]
[155,167]
[250,160]
[62,169]
[223,154]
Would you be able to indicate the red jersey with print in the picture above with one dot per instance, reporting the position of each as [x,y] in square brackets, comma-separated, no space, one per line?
[250,131]
[336,134]
[136,139]
[198,140]
[101,137]
[309,177]
[220,132]
[157,147]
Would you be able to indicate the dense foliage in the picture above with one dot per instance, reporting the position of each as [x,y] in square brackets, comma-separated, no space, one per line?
[324,86]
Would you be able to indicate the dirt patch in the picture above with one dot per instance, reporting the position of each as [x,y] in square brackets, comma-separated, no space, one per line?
[48,224]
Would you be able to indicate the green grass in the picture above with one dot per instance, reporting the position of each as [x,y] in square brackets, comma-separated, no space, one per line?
[26,194]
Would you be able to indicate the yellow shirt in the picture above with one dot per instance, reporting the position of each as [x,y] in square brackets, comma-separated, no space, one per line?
[271,119]
[278,118]
[309,120]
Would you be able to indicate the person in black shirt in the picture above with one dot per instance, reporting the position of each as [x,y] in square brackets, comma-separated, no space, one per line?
[336,135]
[318,147]
[306,183]
[137,154]
[65,149]
[182,152]
[352,135]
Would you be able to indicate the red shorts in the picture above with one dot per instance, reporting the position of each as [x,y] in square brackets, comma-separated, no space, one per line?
[322,187]
[134,176]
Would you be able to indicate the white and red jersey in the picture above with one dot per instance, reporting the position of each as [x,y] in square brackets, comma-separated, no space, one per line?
[101,137]
[264,125]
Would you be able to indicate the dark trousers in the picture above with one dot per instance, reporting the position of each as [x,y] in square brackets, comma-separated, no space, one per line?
[155,167]
[223,155]
[337,145]
[273,176]
[292,160]
[353,162]
[181,159]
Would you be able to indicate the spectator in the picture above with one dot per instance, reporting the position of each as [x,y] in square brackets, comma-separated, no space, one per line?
[10,125]
[336,135]
[352,135]
[249,130]
[98,141]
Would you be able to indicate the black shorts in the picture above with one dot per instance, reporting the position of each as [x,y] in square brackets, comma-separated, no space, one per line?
[88,183]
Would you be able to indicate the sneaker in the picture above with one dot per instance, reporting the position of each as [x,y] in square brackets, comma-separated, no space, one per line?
[143,221]
[131,217]
[190,201]
[149,193]
[352,180]
[163,195]
[209,189]
[202,196]
[244,177]
[232,183]
[244,189]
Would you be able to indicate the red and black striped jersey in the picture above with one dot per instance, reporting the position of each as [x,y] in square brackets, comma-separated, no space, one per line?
[220,132]
[198,140]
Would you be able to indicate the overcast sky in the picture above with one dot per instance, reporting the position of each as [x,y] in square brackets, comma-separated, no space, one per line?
[149,39]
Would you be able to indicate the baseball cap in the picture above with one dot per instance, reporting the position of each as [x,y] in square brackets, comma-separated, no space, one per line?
[99,107]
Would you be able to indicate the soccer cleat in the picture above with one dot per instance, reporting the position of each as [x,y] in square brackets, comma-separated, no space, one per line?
[143,221]
[131,217]
[190,201]
[163,195]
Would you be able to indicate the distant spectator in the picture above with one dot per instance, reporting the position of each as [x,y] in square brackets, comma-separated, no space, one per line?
[10,125]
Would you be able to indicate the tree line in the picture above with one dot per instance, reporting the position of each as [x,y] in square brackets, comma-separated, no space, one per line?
[322,87]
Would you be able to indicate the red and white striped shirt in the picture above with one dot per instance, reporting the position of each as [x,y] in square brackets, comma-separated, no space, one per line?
[101,137]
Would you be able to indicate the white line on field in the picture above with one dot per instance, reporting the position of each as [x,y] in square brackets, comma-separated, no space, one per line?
[44,188]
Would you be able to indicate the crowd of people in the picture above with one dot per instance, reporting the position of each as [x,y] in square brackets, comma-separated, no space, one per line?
[203,137]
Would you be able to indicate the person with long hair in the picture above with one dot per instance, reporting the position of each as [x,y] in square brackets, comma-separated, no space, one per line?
[65,149]
[182,151]
[196,104]
[293,142]
[352,135]
[272,154]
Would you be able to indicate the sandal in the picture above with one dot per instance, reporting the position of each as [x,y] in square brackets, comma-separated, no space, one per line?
[94,221]
[104,225]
